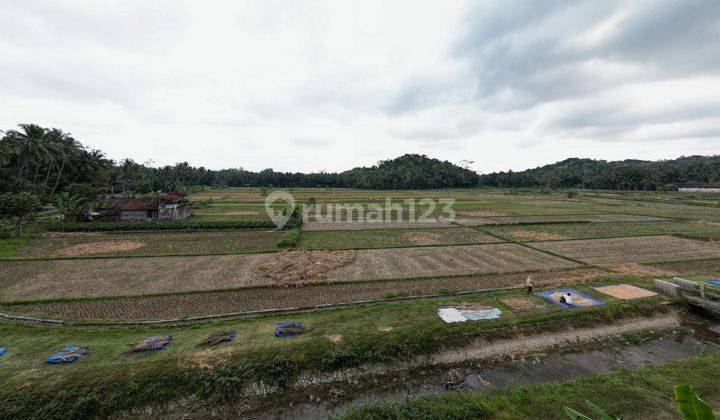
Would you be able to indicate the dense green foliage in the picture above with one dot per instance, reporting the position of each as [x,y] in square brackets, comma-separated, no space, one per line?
[619,175]
[18,207]
[291,239]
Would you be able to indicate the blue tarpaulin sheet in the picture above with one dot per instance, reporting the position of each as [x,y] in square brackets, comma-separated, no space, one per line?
[68,355]
[579,299]
[2,351]
[286,329]
[715,282]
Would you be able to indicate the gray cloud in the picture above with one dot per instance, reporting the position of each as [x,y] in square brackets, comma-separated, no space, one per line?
[537,52]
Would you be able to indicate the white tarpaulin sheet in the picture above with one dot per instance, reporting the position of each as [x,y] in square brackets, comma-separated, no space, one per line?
[451,315]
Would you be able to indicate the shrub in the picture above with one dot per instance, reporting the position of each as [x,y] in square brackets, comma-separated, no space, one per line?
[290,239]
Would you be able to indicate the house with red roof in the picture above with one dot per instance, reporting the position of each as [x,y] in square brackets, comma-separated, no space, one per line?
[171,206]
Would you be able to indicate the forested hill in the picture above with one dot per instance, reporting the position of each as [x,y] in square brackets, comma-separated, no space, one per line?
[614,175]
[410,171]
[49,161]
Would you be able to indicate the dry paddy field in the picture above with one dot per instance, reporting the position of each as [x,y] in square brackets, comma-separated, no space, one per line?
[256,299]
[133,276]
[633,249]
[161,243]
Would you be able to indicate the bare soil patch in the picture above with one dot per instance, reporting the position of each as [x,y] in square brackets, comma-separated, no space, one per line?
[625,291]
[529,235]
[210,358]
[240,213]
[707,223]
[640,270]
[102,247]
[423,238]
[519,303]
[385,329]
[298,267]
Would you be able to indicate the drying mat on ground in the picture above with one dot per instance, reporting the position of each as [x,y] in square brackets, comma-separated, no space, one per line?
[218,337]
[157,342]
[68,355]
[580,299]
[625,291]
[287,329]
[451,315]
[715,328]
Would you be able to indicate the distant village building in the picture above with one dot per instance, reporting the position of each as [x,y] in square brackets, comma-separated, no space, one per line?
[711,187]
[171,206]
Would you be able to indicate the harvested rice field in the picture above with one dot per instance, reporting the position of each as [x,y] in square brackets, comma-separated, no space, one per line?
[73,245]
[132,276]
[253,299]
[633,249]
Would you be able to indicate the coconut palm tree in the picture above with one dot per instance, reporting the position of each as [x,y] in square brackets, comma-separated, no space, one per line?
[33,150]
[64,148]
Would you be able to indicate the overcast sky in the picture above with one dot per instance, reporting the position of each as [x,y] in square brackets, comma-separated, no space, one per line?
[330,85]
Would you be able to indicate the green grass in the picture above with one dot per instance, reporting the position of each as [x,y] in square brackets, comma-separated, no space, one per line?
[106,381]
[10,247]
[644,393]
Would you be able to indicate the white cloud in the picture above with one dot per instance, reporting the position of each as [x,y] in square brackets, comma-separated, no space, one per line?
[329,85]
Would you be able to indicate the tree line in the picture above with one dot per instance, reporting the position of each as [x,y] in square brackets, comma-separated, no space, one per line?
[634,175]
[49,161]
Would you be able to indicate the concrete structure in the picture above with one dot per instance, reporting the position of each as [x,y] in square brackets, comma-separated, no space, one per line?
[171,206]
[667,287]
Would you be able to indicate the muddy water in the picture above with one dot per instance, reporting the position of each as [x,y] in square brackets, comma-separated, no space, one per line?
[533,369]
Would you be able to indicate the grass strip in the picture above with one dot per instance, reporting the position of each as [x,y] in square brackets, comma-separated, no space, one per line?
[104,382]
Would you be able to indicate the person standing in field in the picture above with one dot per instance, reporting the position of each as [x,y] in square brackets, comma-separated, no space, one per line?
[529,285]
